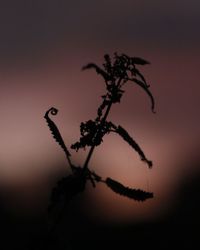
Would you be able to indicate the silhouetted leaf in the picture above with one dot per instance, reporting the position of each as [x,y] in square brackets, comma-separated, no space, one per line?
[98,70]
[88,131]
[68,187]
[124,134]
[142,85]
[137,72]
[92,133]
[138,60]
[136,194]
[54,130]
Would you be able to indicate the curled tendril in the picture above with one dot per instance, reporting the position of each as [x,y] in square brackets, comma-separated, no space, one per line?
[56,133]
[53,111]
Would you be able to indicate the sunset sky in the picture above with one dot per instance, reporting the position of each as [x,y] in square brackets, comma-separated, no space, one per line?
[44,45]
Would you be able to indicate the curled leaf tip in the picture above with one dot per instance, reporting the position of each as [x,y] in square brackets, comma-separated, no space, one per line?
[55,131]
[53,111]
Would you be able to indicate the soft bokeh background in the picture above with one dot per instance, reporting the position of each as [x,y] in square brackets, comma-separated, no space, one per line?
[43,46]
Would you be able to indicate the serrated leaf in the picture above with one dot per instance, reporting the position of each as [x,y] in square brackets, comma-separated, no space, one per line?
[135,194]
[54,130]
[124,134]
[145,88]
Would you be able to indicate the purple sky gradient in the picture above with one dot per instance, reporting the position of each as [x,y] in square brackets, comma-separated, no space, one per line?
[44,45]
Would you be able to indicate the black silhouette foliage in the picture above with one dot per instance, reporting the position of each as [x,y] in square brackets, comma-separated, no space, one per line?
[115,73]
[124,134]
[135,194]
[68,187]
[145,87]
[56,133]
[122,70]
[138,60]
[89,135]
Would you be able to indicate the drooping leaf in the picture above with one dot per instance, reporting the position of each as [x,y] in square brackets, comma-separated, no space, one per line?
[136,194]
[55,132]
[98,70]
[137,72]
[124,134]
[142,85]
[138,60]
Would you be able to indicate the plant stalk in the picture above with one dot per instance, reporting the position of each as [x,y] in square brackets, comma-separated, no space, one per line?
[85,166]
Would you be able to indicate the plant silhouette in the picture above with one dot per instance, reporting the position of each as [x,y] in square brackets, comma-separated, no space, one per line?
[116,74]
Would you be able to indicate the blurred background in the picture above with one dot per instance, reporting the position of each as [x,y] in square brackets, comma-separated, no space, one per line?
[43,46]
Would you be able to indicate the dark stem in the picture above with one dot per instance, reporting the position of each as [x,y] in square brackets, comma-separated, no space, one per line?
[69,161]
[57,221]
[85,166]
